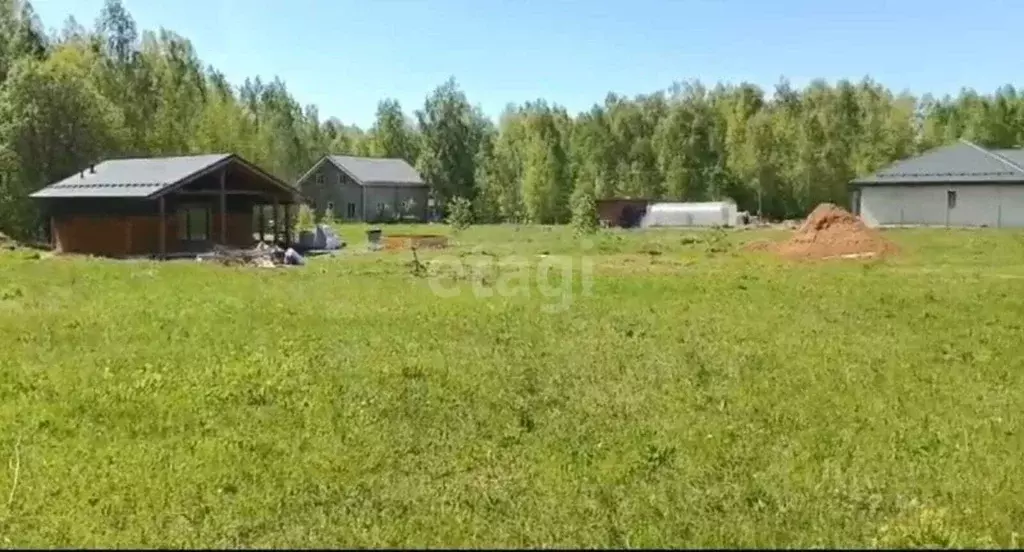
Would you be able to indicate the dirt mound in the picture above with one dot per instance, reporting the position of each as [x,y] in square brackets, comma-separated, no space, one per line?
[832,232]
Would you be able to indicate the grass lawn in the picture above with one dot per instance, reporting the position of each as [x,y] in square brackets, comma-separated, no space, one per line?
[690,394]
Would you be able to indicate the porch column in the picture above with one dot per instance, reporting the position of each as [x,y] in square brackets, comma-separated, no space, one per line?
[54,237]
[260,209]
[287,224]
[163,229]
[277,219]
[223,207]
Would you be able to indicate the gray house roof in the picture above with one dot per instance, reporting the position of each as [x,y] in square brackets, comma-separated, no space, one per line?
[373,171]
[963,162]
[142,177]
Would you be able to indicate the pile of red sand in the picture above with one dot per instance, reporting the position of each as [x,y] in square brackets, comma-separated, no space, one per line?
[833,232]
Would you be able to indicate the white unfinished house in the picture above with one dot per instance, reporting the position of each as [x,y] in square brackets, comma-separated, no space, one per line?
[962,184]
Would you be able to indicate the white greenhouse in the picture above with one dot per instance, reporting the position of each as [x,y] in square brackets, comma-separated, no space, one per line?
[712,213]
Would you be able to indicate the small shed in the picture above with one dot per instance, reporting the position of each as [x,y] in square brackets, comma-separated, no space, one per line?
[622,212]
[165,205]
[712,213]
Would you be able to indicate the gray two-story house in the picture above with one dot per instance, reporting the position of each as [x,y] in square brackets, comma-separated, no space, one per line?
[367,189]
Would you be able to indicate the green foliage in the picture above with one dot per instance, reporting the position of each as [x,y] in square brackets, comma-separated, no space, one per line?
[143,93]
[135,415]
[460,213]
[923,527]
[545,177]
[450,131]
[487,204]
[36,102]
[731,401]
[305,219]
[716,240]
[584,212]
[327,217]
[392,135]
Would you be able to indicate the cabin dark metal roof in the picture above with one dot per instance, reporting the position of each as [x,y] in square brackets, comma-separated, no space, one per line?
[141,177]
[129,177]
[963,162]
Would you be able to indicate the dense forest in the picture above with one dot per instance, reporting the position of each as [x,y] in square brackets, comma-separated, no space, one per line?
[77,95]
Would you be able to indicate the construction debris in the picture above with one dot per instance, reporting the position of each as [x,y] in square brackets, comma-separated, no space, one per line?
[321,238]
[292,257]
[262,256]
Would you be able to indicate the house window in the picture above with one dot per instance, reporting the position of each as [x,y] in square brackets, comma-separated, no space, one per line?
[319,178]
[194,223]
[341,178]
[951,199]
[351,210]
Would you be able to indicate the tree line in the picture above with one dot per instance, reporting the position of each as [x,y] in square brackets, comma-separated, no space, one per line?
[79,95]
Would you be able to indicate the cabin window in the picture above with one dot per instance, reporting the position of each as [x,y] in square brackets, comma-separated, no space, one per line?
[351,210]
[194,223]
[319,178]
[951,199]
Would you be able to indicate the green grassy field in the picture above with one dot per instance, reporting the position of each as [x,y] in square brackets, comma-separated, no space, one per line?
[689,395]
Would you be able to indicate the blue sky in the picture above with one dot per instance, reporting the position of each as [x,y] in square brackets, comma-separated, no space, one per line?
[345,55]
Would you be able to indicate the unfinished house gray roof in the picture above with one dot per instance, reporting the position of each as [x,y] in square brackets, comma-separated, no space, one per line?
[140,177]
[962,162]
[378,171]
[1015,156]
